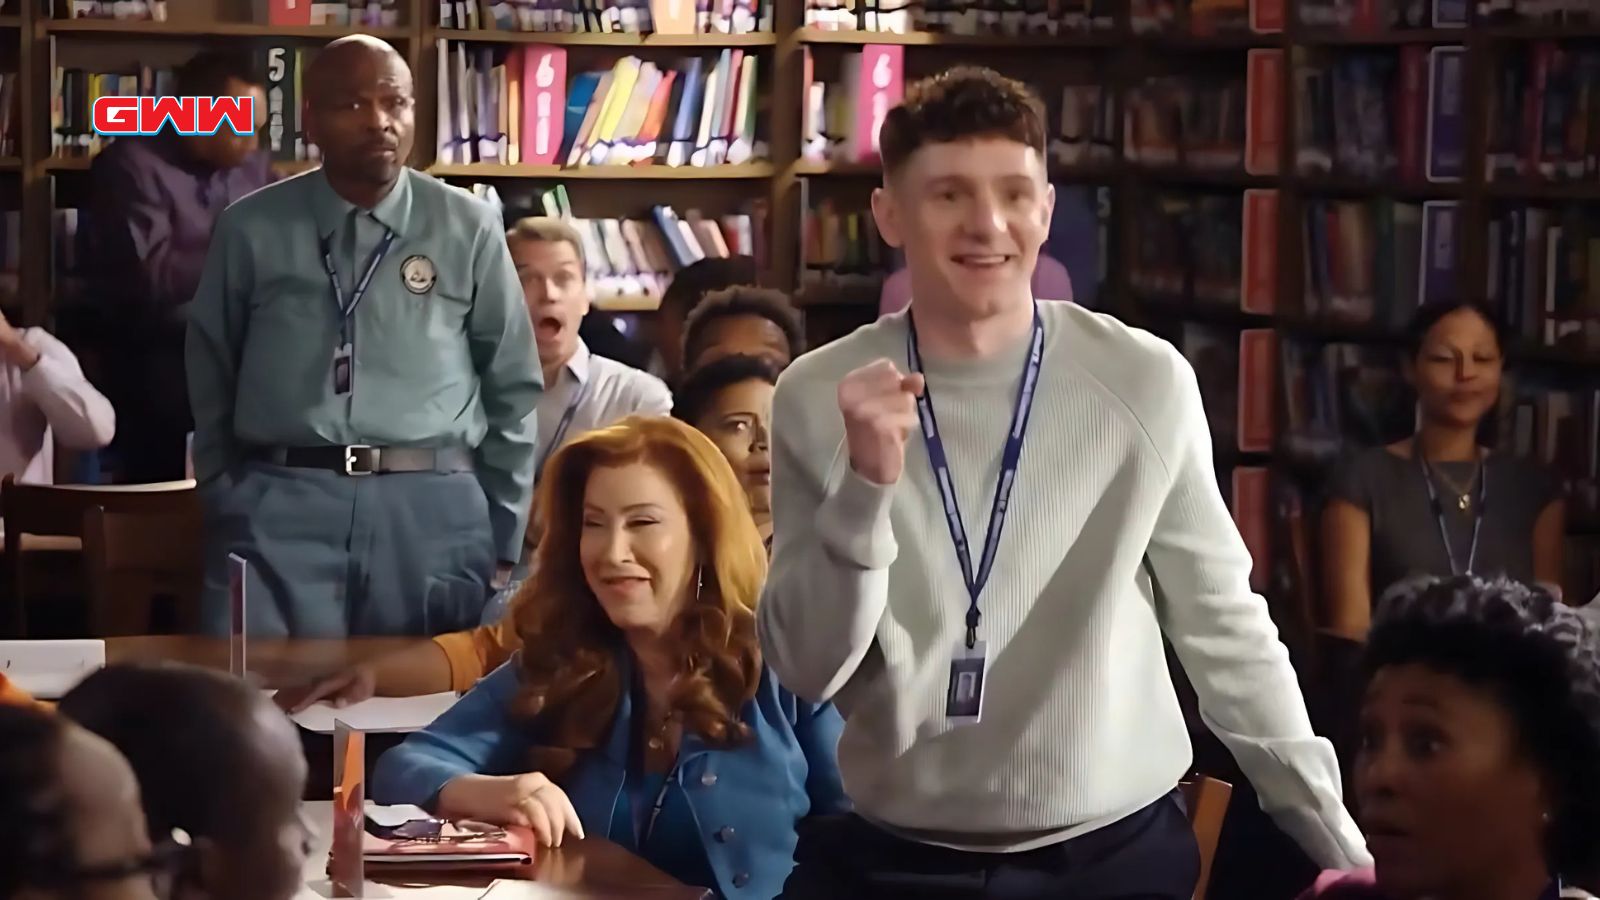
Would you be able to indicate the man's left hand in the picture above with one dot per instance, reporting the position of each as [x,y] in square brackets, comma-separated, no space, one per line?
[16,350]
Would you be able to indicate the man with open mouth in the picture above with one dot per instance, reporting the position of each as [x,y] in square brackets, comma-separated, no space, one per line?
[583,391]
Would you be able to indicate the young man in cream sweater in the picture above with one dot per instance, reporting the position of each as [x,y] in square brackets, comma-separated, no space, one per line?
[1012,730]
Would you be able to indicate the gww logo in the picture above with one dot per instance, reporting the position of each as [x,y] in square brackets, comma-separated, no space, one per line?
[117,116]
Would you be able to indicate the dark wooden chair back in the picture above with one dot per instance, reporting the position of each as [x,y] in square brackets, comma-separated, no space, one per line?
[58,510]
[132,560]
[1207,799]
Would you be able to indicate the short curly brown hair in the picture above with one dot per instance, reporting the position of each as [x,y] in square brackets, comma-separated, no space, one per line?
[960,103]
[741,300]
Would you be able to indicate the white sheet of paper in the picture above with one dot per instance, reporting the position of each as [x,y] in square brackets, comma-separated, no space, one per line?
[48,669]
[395,816]
[379,715]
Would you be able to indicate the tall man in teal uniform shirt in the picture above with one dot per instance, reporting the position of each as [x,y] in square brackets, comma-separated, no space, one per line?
[363,377]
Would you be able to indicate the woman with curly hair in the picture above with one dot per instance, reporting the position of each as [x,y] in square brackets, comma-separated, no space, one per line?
[639,708]
[1478,776]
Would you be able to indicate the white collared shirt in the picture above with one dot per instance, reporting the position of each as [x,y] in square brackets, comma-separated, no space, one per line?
[52,401]
[607,391]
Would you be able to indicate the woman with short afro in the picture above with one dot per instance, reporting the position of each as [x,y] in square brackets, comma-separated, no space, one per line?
[1478,774]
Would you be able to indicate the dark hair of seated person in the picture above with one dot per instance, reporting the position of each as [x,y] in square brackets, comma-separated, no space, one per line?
[35,829]
[571,647]
[689,284]
[215,758]
[1429,314]
[208,72]
[1480,752]
[70,824]
[713,273]
[699,388]
[786,341]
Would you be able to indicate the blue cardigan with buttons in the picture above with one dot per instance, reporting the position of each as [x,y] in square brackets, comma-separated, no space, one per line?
[746,800]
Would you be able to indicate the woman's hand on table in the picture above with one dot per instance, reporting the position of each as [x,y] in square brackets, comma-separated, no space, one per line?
[530,800]
[353,685]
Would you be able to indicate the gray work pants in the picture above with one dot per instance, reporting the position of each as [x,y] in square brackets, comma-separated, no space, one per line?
[332,555]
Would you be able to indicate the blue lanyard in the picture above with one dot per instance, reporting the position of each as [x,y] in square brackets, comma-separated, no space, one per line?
[644,826]
[560,434]
[643,830]
[1477,514]
[347,307]
[1009,460]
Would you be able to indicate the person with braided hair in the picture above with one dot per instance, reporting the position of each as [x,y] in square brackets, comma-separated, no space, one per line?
[70,823]
[1478,775]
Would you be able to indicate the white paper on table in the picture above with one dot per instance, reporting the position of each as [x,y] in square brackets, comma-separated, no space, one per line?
[49,669]
[379,715]
[396,815]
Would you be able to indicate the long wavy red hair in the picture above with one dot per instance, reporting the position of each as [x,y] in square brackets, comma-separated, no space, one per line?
[570,647]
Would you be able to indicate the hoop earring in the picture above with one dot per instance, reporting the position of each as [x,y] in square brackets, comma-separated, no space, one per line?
[699,581]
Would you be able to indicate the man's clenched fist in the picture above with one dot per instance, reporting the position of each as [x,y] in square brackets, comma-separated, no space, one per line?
[879,404]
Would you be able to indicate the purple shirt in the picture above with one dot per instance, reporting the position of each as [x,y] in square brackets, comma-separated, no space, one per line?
[154,211]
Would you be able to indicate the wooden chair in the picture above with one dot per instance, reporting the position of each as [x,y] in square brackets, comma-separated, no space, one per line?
[41,510]
[131,560]
[1333,697]
[1207,799]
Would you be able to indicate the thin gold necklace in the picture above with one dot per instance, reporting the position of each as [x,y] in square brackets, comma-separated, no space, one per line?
[659,739]
[1463,492]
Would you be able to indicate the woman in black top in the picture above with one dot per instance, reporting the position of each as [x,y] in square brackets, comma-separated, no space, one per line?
[1438,503]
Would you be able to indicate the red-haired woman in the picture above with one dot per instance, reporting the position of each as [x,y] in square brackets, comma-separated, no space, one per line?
[639,708]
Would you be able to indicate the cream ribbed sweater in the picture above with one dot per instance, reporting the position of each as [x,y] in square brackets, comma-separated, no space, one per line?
[1081,726]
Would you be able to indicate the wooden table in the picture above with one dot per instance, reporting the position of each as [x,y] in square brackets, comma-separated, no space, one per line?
[592,869]
[278,662]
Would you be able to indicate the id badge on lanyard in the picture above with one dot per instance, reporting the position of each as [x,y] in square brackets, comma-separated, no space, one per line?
[344,355]
[969,664]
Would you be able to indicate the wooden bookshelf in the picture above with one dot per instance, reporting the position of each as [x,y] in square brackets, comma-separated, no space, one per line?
[1103,40]
[706,41]
[745,172]
[1117,57]
[114,28]
[627,303]
[1125,55]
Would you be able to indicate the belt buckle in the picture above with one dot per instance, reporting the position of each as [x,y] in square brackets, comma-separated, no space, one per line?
[362,455]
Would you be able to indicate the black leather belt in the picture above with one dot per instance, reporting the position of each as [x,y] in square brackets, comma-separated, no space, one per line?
[360,459]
